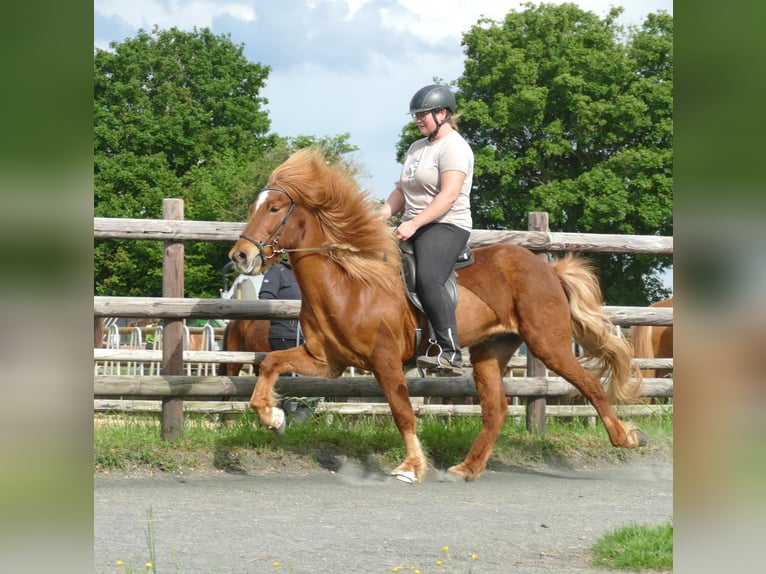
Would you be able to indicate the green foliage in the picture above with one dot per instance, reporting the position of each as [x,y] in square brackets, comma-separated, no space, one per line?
[570,114]
[176,114]
[636,548]
[179,114]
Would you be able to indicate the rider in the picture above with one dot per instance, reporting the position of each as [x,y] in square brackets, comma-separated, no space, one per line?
[434,193]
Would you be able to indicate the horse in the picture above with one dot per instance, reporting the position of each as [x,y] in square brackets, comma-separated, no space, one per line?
[250,335]
[356,312]
[653,341]
[99,329]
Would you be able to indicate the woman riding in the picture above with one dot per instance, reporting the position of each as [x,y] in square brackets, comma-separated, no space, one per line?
[434,194]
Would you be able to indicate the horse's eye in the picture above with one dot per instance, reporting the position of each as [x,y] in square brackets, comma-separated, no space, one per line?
[274,209]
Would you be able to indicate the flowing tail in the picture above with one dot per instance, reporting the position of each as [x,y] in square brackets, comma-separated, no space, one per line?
[606,351]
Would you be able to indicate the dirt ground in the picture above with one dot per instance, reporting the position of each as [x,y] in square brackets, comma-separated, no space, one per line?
[307,518]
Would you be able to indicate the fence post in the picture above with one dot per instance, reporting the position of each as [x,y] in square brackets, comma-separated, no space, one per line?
[172,332]
[537,221]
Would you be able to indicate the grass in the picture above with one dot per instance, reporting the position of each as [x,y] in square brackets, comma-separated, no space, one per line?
[133,441]
[636,548]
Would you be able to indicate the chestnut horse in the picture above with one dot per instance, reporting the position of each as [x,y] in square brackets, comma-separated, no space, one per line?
[653,342]
[99,329]
[355,310]
[249,335]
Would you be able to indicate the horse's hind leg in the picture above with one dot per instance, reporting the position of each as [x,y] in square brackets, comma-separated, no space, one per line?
[488,359]
[552,344]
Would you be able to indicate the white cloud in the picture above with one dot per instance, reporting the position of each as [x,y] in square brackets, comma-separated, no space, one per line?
[438,20]
[167,14]
[354,6]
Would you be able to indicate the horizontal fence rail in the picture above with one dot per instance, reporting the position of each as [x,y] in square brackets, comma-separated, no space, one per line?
[221,231]
[176,307]
[252,358]
[378,409]
[356,386]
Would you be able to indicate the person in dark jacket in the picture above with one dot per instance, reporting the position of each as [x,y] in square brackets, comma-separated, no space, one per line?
[279,283]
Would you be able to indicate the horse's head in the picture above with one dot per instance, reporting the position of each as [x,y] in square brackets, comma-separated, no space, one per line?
[257,244]
[315,206]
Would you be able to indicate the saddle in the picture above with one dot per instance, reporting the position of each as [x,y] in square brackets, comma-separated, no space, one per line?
[464,259]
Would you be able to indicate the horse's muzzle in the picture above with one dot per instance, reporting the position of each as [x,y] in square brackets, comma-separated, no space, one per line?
[243,263]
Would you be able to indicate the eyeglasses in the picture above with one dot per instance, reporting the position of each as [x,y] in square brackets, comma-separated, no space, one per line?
[421,115]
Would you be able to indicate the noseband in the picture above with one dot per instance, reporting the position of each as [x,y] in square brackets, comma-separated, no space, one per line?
[267,249]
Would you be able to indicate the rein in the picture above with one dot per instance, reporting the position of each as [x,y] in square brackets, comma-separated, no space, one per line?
[273,239]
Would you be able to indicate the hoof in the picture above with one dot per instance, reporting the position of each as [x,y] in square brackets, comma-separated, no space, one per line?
[449,476]
[641,437]
[456,474]
[405,476]
[278,421]
[460,472]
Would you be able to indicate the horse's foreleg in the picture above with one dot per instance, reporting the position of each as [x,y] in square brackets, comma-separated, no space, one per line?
[394,385]
[263,400]
[487,373]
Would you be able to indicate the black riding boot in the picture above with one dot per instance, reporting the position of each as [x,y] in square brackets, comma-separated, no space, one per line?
[443,355]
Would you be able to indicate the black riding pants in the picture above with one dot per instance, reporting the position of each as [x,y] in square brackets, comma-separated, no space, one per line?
[281,343]
[436,247]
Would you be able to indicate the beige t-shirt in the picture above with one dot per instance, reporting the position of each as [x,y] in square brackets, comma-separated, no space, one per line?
[423,165]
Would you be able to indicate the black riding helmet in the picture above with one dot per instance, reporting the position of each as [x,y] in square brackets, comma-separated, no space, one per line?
[433,98]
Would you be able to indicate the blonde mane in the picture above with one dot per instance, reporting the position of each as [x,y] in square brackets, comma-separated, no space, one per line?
[368,251]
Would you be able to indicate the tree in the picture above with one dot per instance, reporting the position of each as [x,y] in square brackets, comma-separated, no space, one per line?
[569,114]
[176,114]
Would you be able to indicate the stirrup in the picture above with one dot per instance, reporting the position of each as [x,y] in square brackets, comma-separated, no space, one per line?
[438,363]
[439,366]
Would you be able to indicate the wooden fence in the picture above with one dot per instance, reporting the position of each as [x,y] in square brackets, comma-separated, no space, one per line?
[173,388]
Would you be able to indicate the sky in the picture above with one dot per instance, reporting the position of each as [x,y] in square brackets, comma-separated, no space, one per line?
[339,66]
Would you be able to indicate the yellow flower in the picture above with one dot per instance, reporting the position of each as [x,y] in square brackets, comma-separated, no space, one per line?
[276,564]
[474,557]
[446,548]
[438,562]
[395,569]
[148,565]
[120,563]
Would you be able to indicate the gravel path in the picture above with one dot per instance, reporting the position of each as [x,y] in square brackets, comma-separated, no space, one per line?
[352,520]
